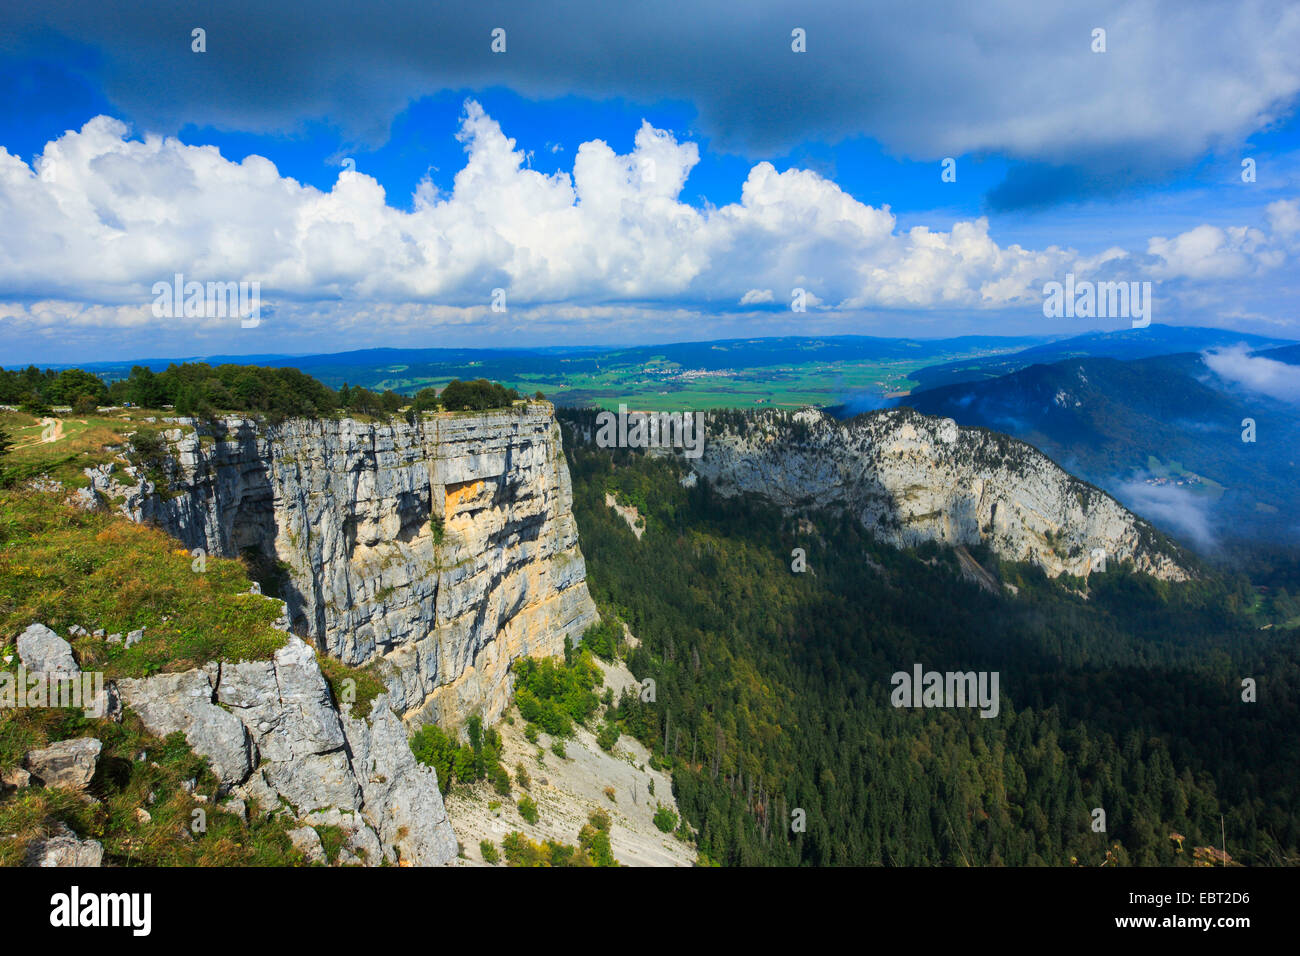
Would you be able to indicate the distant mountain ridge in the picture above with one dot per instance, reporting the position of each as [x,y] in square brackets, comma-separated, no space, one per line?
[714,353]
[1124,344]
[1162,433]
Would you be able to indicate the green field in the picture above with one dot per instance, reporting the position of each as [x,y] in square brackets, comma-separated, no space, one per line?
[647,380]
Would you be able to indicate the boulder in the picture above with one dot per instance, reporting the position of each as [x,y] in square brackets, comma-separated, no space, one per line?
[15,778]
[362,846]
[237,807]
[106,704]
[257,790]
[282,740]
[315,781]
[44,652]
[69,764]
[285,703]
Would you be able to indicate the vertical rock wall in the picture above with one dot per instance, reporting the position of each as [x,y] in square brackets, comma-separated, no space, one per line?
[444,547]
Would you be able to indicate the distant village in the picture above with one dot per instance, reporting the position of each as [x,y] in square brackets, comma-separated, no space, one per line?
[1183,480]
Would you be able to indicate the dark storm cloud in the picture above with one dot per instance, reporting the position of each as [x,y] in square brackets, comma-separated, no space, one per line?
[926,80]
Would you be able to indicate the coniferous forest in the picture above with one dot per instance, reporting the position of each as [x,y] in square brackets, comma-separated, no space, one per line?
[772,703]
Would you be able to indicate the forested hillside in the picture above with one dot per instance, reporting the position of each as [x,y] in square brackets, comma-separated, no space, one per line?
[773,693]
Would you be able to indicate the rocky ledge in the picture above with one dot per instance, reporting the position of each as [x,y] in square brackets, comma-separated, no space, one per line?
[273,734]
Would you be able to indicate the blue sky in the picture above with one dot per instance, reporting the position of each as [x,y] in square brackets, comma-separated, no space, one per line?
[358,165]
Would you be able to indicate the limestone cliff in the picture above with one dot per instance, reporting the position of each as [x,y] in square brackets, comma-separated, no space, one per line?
[442,545]
[911,478]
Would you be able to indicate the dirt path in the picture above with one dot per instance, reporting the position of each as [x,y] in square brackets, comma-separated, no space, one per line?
[51,431]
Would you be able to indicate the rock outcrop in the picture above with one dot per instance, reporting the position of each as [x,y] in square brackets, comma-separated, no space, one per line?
[910,478]
[442,545]
[62,848]
[186,702]
[272,734]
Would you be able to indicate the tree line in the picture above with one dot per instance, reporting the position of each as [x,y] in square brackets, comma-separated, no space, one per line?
[201,390]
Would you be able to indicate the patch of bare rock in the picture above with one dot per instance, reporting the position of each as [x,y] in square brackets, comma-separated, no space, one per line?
[567,790]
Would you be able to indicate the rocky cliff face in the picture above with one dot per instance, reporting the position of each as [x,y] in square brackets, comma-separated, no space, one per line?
[911,478]
[273,735]
[443,546]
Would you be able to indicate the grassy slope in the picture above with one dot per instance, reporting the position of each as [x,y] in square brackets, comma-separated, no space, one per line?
[60,566]
[132,766]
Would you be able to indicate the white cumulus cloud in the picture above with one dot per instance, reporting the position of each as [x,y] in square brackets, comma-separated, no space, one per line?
[100,217]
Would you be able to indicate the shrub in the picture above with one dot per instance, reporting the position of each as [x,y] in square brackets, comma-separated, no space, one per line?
[665,819]
[594,839]
[425,400]
[554,695]
[73,386]
[489,851]
[435,749]
[528,809]
[521,851]
[500,780]
[607,737]
[33,404]
[468,765]
[602,639]
[476,395]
